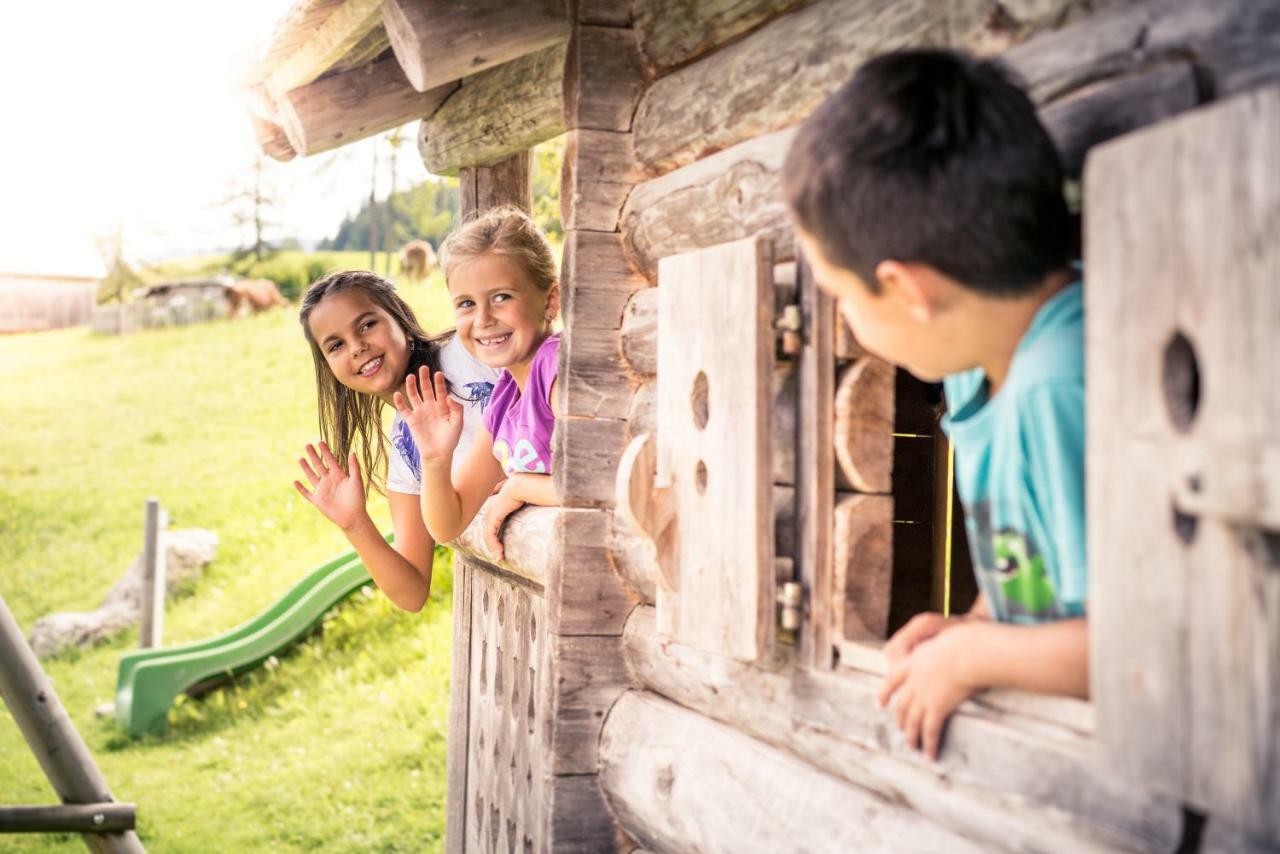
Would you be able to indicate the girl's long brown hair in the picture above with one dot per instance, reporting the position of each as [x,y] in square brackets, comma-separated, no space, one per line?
[349,419]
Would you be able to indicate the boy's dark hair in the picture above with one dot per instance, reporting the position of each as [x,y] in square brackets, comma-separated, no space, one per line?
[932,157]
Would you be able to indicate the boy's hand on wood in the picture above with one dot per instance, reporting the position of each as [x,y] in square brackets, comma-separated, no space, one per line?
[434,419]
[917,630]
[337,494]
[925,687]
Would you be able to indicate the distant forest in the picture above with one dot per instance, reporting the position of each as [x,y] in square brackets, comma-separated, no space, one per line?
[430,210]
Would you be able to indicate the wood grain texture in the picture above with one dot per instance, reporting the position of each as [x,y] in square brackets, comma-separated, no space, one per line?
[715,361]
[436,41]
[600,169]
[727,196]
[598,280]
[590,674]
[640,332]
[604,77]
[504,183]
[1199,623]
[496,114]
[531,542]
[678,781]
[328,39]
[773,77]
[862,562]
[672,32]
[580,820]
[459,708]
[1004,778]
[354,105]
[586,454]
[594,381]
[586,596]
[862,430]
[272,140]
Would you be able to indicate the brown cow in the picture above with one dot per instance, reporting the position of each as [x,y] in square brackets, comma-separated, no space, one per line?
[257,295]
[417,259]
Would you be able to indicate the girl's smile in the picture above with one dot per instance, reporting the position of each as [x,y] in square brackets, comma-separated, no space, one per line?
[502,315]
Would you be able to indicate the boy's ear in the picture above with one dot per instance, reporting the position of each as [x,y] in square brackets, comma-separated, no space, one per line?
[909,285]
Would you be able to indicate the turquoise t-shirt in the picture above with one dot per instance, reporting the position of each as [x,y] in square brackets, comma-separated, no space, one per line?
[1020,469]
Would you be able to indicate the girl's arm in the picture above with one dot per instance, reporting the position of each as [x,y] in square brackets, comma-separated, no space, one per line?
[449,503]
[403,573]
[529,488]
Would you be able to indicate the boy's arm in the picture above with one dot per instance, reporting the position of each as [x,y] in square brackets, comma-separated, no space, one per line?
[927,686]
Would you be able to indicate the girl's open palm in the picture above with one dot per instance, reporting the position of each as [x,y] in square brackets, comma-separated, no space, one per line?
[434,419]
[337,494]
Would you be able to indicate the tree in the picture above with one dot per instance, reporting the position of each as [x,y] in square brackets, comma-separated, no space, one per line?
[250,197]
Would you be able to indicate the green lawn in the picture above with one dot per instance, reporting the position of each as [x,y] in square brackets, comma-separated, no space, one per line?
[342,745]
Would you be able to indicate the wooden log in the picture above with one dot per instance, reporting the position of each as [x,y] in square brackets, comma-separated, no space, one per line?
[605,13]
[529,540]
[862,431]
[505,183]
[110,817]
[729,195]
[599,172]
[587,452]
[579,819]
[672,32]
[678,781]
[649,510]
[600,280]
[496,114]
[354,105]
[863,567]
[272,140]
[640,332]
[772,78]
[1114,107]
[327,41]
[603,78]
[594,380]
[1003,778]
[436,41]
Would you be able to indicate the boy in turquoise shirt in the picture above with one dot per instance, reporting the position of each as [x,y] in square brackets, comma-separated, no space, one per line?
[928,200]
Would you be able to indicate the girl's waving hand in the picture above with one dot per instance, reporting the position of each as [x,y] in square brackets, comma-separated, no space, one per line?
[337,494]
[434,419]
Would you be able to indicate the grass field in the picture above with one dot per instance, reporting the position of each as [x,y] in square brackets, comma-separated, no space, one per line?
[339,747]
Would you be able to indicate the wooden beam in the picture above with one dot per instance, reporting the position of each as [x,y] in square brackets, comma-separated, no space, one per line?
[528,538]
[341,31]
[354,105]
[437,41]
[862,577]
[863,426]
[108,817]
[673,32]
[1002,777]
[504,183]
[496,114]
[604,77]
[678,781]
[272,139]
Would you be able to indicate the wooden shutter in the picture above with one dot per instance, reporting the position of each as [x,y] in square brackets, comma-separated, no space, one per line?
[1183,320]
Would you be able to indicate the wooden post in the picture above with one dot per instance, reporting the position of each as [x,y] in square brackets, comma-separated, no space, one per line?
[504,183]
[69,818]
[45,725]
[153,579]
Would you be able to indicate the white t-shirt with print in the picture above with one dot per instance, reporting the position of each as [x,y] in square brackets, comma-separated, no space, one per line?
[470,383]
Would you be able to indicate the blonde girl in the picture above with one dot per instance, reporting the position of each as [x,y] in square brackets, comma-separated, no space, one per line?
[505,292]
[365,341]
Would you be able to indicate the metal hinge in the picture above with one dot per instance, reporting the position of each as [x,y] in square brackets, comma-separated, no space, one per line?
[790,606]
[790,326]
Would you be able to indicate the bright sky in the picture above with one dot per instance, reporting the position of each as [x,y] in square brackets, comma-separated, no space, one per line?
[124,116]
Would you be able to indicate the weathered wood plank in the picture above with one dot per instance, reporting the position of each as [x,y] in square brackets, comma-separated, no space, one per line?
[459,704]
[605,13]
[354,105]
[436,41]
[774,77]
[680,782]
[496,114]
[815,467]
[504,183]
[586,460]
[1180,579]
[580,820]
[673,32]
[1001,778]
[730,195]
[600,280]
[531,541]
[863,426]
[595,381]
[590,674]
[587,597]
[599,172]
[272,140]
[715,362]
[604,77]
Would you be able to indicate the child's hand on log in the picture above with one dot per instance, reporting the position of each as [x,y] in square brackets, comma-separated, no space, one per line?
[496,511]
[925,687]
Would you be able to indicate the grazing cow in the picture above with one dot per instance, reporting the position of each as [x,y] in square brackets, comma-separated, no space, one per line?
[254,295]
[417,259]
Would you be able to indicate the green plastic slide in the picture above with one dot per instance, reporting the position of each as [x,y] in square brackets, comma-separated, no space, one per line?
[150,679]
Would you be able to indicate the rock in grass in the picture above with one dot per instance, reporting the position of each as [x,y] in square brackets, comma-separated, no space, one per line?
[187,551]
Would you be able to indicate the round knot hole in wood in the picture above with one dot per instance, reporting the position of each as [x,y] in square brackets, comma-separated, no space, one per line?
[698,400]
[1180,376]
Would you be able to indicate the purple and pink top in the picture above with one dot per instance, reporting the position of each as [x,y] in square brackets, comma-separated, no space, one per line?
[521,424]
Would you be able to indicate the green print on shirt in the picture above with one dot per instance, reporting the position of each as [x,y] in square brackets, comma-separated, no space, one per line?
[1022,574]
